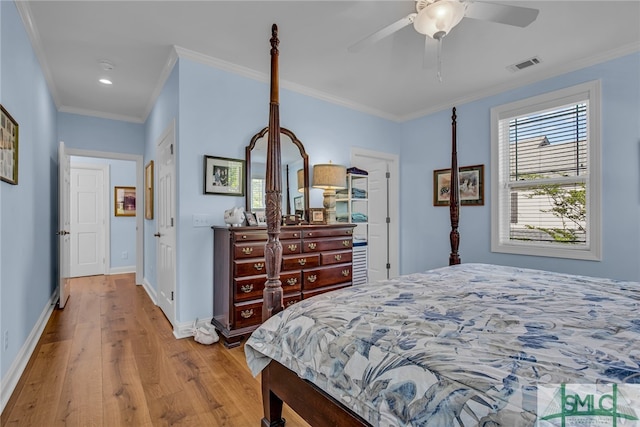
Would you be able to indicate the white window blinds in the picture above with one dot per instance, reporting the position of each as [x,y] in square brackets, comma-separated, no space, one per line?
[545,181]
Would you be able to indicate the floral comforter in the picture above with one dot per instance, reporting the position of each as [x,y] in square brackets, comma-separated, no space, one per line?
[464,345]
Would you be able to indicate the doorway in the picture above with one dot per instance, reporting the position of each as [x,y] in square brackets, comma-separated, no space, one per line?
[139,178]
[383,241]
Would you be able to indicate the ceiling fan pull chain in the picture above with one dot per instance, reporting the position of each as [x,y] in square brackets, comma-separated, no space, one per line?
[440,59]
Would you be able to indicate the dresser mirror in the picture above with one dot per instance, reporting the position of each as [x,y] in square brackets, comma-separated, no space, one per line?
[295,173]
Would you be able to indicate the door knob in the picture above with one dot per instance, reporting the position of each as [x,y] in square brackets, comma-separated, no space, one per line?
[157,234]
[62,233]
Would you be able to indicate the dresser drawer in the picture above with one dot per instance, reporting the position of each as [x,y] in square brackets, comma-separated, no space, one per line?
[297,262]
[337,257]
[249,314]
[289,234]
[250,235]
[249,288]
[314,292]
[248,250]
[291,281]
[251,267]
[333,244]
[291,247]
[325,276]
[327,232]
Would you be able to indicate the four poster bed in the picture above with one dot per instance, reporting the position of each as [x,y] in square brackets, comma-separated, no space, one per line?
[468,344]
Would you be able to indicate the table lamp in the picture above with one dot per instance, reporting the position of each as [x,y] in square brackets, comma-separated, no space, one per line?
[329,177]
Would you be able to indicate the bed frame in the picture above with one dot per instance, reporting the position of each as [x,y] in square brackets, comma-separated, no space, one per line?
[279,384]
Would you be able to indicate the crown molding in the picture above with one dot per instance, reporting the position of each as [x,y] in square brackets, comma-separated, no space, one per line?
[100,114]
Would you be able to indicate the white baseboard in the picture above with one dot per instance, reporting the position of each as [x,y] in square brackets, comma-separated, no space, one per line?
[10,380]
[150,291]
[122,270]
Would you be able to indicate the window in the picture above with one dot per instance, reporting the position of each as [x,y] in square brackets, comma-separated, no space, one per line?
[545,165]
[257,193]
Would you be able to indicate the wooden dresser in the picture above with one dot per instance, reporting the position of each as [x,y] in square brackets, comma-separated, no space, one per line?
[315,259]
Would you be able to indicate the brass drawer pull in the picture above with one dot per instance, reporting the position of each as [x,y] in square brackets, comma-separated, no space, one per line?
[302,261]
[290,303]
[310,234]
[292,247]
[346,243]
[349,231]
[246,313]
[247,288]
[292,281]
[295,234]
[247,251]
[312,278]
[312,245]
[345,273]
[338,257]
[258,266]
[244,236]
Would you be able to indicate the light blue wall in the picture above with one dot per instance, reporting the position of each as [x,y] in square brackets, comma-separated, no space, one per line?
[97,134]
[29,209]
[122,229]
[425,147]
[219,113]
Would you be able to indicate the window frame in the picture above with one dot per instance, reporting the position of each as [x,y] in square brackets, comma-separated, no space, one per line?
[501,207]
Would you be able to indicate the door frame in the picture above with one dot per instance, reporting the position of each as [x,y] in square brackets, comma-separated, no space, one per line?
[394,201]
[106,200]
[138,159]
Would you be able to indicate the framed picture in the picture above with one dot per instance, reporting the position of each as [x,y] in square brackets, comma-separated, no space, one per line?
[124,201]
[261,217]
[251,219]
[148,191]
[470,183]
[298,203]
[316,216]
[223,176]
[8,147]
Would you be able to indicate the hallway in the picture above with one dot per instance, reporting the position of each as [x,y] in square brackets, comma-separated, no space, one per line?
[109,358]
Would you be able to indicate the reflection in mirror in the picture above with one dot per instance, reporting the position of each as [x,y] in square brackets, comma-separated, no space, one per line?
[295,173]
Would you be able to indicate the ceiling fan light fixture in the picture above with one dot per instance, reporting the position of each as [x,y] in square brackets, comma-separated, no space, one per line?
[438,18]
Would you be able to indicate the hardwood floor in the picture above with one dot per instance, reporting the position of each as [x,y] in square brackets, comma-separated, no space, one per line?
[109,359]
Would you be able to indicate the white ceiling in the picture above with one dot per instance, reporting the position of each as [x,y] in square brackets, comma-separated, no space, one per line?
[141,38]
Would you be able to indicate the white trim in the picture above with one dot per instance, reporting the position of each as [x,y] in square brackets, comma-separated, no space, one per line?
[185,329]
[139,196]
[393,160]
[122,270]
[593,251]
[11,378]
[153,295]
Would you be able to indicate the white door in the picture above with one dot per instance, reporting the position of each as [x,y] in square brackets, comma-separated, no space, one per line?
[384,231]
[87,220]
[166,233]
[64,242]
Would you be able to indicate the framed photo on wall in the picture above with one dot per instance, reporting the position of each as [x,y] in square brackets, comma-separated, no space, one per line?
[8,147]
[148,191]
[223,176]
[124,201]
[470,183]
[316,216]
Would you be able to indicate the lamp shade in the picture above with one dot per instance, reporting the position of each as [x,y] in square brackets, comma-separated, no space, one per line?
[300,180]
[438,18]
[329,176]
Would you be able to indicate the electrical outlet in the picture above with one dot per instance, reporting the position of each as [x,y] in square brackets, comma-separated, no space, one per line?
[5,340]
[125,255]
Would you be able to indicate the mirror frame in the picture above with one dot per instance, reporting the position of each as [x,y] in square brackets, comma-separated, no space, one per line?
[305,161]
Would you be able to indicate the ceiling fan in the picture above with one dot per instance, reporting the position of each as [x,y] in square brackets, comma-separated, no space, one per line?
[436,18]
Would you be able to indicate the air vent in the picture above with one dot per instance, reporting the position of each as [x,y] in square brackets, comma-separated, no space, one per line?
[524,64]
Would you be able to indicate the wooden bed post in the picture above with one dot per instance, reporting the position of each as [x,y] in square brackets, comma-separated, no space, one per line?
[272,294]
[454,195]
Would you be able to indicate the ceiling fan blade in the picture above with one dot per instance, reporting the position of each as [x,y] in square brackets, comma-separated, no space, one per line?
[430,57]
[382,33]
[504,14]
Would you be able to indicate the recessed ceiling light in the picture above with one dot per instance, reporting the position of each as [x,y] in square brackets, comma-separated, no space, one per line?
[105,82]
